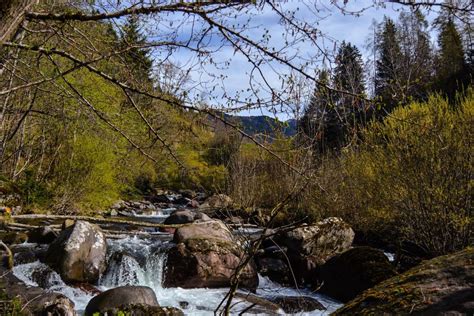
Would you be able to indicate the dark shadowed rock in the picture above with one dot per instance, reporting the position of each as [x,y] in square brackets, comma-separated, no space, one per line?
[440,286]
[346,275]
[28,253]
[297,304]
[275,269]
[78,254]
[121,296]
[190,194]
[42,235]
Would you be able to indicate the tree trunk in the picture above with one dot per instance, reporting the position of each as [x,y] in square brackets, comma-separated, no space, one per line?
[12,14]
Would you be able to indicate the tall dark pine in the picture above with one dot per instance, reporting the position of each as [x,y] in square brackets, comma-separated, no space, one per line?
[348,109]
[314,119]
[387,65]
[452,71]
[136,57]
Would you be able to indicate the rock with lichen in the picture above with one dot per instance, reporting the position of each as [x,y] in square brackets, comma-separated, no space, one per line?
[440,286]
[79,253]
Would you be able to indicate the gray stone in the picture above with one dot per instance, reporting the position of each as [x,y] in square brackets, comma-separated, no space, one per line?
[79,253]
[121,296]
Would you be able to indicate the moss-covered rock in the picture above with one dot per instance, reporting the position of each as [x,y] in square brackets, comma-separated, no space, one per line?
[439,286]
[345,276]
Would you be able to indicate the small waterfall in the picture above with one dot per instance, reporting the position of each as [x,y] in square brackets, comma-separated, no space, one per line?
[125,270]
[135,261]
[122,270]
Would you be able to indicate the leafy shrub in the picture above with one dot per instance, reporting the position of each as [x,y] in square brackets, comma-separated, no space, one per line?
[411,175]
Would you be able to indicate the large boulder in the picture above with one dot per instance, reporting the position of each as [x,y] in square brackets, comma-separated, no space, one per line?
[346,275]
[440,286]
[310,246]
[183,216]
[206,255]
[79,253]
[321,241]
[121,296]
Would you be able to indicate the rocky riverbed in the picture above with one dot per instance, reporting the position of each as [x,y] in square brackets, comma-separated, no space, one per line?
[175,254]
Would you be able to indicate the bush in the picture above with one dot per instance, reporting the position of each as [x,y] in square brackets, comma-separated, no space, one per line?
[412,175]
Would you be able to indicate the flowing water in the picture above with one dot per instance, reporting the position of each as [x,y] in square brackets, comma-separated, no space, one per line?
[139,261]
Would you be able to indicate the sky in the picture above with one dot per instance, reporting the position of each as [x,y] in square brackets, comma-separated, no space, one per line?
[211,83]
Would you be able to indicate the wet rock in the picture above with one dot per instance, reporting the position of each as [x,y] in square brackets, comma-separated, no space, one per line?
[193,204]
[275,269]
[206,255]
[160,198]
[185,216]
[297,304]
[78,254]
[35,300]
[260,305]
[27,253]
[190,194]
[120,297]
[346,275]
[217,201]
[42,235]
[181,200]
[45,277]
[184,304]
[440,286]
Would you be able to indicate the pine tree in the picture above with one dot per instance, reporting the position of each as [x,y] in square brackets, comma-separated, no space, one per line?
[136,58]
[348,110]
[387,64]
[314,119]
[452,71]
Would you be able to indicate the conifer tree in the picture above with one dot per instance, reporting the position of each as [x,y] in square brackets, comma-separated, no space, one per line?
[387,64]
[314,118]
[137,57]
[452,73]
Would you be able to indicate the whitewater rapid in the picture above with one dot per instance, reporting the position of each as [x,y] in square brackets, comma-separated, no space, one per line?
[140,261]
